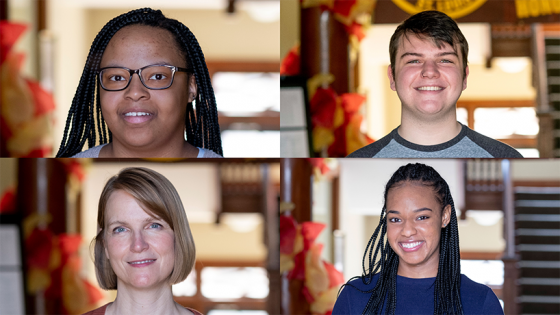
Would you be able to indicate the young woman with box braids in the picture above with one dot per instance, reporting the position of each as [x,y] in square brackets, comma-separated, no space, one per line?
[413,257]
[139,116]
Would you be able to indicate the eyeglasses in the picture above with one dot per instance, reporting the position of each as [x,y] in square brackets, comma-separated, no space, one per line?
[154,77]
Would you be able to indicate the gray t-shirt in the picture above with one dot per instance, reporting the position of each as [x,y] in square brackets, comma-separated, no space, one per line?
[94,153]
[467,144]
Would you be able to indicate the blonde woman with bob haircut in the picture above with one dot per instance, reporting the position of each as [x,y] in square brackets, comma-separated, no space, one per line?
[144,244]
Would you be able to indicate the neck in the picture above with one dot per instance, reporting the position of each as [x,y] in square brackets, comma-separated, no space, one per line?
[174,149]
[148,301]
[428,269]
[429,132]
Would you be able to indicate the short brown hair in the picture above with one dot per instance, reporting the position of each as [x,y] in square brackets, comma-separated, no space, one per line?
[434,25]
[157,196]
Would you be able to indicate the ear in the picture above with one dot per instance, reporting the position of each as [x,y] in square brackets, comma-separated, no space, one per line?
[193,89]
[106,250]
[446,216]
[465,78]
[391,78]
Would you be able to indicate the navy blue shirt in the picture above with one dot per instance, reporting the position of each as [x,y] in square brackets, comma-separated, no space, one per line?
[416,296]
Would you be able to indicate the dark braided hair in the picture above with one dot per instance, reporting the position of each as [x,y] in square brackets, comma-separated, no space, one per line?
[447,297]
[85,121]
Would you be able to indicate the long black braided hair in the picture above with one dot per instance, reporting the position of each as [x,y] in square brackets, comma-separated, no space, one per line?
[447,297]
[202,128]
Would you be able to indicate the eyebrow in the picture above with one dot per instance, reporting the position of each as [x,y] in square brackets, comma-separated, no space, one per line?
[124,223]
[160,62]
[441,54]
[417,210]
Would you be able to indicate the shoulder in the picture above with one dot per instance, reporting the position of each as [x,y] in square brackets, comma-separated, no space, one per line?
[358,283]
[90,153]
[372,149]
[353,296]
[98,311]
[205,153]
[192,310]
[477,298]
[496,148]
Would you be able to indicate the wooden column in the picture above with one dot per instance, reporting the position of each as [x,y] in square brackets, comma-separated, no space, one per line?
[272,240]
[338,51]
[295,183]
[42,189]
[511,274]
[295,188]
[3,10]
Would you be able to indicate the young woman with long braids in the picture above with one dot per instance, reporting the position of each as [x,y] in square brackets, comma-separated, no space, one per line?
[418,270]
[136,93]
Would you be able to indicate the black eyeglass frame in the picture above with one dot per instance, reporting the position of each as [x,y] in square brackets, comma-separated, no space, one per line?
[139,73]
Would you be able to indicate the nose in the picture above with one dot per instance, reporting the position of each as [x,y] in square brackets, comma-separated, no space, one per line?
[138,244]
[136,90]
[430,70]
[408,228]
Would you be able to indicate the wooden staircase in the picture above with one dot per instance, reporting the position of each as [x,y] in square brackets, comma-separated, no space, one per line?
[537,244]
[546,79]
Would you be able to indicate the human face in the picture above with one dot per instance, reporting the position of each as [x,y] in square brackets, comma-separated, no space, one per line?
[414,222]
[163,111]
[139,247]
[428,79]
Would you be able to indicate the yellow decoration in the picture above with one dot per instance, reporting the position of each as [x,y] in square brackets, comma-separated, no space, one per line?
[286,206]
[314,3]
[338,114]
[74,293]
[33,220]
[30,135]
[317,81]
[38,280]
[454,8]
[316,275]
[534,8]
[360,13]
[325,301]
[322,138]
[286,263]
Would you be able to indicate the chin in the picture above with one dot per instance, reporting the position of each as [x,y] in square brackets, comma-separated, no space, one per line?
[138,141]
[430,108]
[143,283]
[413,261]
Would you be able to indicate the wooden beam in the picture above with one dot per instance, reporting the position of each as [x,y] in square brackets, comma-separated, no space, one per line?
[3,10]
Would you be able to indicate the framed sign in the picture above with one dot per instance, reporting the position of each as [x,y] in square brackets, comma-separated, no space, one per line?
[12,275]
[295,120]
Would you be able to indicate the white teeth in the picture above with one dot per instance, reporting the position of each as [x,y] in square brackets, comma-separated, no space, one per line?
[430,88]
[137,114]
[410,245]
[142,262]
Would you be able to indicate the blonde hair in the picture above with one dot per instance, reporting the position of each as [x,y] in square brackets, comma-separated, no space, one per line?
[157,196]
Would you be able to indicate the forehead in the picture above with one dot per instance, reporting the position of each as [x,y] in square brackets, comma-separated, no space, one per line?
[137,46]
[422,44]
[411,193]
[123,206]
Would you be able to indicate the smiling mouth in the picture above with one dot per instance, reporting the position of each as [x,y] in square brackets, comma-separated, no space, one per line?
[410,247]
[133,114]
[142,262]
[429,88]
